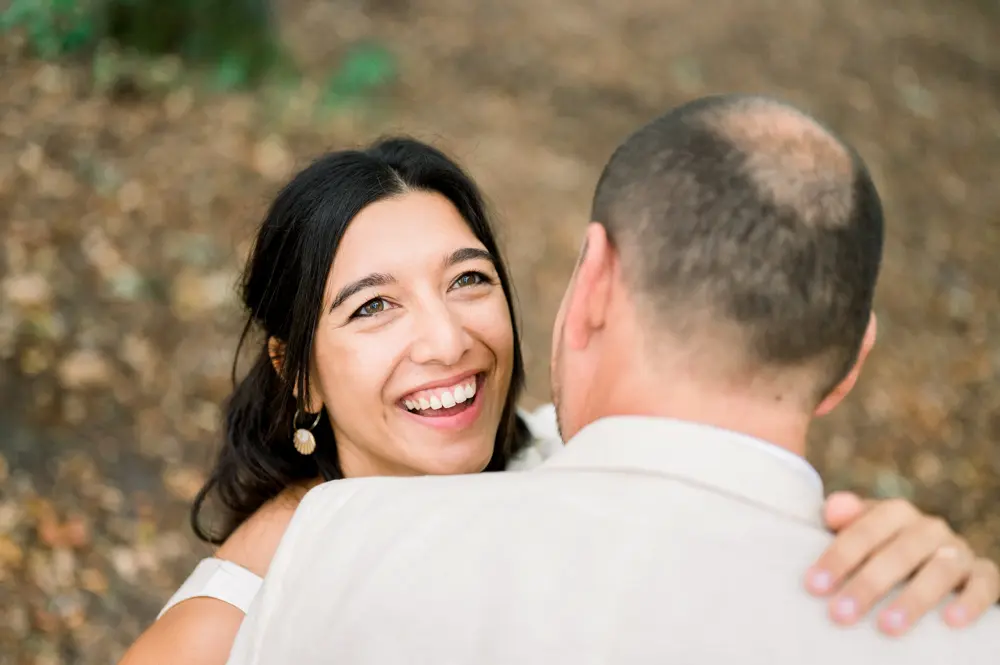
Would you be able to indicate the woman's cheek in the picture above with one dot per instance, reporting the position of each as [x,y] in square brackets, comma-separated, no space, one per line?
[488,322]
[341,364]
[501,332]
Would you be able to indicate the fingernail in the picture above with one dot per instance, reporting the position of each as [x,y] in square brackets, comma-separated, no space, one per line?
[845,608]
[894,620]
[956,615]
[820,581]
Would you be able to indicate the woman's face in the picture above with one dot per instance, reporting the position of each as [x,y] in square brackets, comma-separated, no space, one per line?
[414,348]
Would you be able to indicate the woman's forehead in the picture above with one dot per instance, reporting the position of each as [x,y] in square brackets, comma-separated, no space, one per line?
[412,231]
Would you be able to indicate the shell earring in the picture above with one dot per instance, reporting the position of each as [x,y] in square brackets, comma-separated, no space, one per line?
[303,439]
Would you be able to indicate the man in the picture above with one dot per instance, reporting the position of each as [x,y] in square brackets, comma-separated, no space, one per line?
[723,298]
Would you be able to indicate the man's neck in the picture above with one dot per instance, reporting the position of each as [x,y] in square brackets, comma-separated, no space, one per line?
[777,421]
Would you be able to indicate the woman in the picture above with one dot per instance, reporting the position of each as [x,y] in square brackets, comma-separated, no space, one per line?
[348,382]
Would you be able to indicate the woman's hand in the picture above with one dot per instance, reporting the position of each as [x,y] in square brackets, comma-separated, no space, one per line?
[881,544]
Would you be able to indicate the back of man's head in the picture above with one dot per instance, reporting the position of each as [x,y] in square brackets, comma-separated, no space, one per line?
[742,221]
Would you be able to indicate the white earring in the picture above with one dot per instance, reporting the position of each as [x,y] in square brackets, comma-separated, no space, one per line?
[303,439]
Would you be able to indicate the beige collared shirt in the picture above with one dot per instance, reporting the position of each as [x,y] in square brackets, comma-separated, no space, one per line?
[644,540]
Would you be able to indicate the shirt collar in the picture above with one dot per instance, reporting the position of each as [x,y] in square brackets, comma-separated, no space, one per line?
[729,462]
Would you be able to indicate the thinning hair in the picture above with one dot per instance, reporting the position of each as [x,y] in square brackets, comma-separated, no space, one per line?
[743,213]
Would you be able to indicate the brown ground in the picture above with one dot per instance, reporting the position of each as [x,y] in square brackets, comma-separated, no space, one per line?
[124,222]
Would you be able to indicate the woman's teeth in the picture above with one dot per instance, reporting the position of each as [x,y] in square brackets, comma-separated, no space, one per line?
[441,398]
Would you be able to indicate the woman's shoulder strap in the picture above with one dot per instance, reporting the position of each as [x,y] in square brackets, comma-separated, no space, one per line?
[219,579]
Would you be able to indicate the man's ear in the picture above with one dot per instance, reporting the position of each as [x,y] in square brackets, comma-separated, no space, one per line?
[838,394]
[587,306]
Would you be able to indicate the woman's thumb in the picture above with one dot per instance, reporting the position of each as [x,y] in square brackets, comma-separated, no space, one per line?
[842,508]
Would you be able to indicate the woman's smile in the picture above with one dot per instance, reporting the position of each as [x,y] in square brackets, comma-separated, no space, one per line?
[452,404]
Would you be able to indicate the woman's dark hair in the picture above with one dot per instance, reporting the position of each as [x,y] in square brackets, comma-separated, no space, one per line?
[282,288]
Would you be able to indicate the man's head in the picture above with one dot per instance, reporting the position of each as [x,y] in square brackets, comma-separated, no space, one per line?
[734,253]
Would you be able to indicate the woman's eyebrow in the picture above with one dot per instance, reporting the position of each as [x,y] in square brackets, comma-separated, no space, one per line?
[468,254]
[367,282]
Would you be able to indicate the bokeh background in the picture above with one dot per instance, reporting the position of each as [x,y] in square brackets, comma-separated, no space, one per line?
[131,180]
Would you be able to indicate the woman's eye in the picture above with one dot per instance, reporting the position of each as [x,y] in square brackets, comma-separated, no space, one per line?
[371,308]
[470,279]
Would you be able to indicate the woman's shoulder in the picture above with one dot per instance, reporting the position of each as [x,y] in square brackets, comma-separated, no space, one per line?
[219,580]
[233,576]
[545,439]
[253,544]
[199,623]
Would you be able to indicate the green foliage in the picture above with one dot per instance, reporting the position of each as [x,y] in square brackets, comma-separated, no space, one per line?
[236,38]
[234,41]
[366,68]
[54,27]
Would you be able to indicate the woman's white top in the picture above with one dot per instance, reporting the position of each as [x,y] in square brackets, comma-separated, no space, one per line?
[234,584]
[219,579]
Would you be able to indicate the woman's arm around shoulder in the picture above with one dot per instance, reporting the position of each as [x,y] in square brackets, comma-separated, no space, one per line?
[201,630]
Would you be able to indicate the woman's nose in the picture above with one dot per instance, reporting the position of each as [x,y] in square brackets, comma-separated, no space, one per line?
[441,338]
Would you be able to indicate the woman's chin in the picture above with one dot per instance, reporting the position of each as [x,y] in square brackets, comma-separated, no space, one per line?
[456,460]
[444,453]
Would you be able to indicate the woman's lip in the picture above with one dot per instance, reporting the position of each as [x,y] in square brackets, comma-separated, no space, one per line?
[444,383]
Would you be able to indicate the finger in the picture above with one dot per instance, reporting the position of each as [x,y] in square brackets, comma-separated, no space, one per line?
[842,508]
[856,542]
[981,592]
[944,572]
[897,560]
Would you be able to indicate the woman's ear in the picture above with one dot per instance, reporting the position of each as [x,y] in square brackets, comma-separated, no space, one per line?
[276,349]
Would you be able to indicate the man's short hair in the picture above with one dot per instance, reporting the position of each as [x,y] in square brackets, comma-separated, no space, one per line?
[743,210]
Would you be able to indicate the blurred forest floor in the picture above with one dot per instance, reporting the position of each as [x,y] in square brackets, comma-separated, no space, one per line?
[127,212]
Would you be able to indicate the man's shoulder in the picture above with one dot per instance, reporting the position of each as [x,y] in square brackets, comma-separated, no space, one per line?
[384,503]
[339,492]
[354,520]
